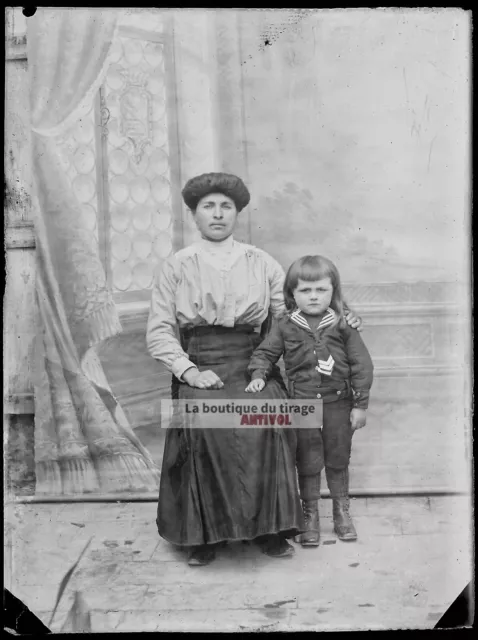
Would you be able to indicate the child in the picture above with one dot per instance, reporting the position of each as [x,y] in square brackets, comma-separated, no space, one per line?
[324,358]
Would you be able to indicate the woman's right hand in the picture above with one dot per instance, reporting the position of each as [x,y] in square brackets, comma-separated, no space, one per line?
[202,379]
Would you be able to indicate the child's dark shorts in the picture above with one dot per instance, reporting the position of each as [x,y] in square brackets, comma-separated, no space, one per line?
[330,446]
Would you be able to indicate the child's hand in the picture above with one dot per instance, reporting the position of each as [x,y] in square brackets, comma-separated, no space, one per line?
[358,418]
[256,385]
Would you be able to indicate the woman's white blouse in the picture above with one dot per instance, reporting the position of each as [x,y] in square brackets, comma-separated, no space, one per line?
[210,283]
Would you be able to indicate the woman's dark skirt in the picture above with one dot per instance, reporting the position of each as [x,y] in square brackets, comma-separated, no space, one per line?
[228,483]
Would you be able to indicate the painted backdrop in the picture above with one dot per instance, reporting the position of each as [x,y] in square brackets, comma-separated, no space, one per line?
[351,128]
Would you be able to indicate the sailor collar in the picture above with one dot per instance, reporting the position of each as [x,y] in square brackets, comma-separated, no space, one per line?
[327,320]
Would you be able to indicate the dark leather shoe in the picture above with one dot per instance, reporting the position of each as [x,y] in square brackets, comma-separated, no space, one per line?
[343,525]
[276,547]
[201,555]
[311,535]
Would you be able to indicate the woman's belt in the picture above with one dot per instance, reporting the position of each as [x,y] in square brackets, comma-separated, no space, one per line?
[215,329]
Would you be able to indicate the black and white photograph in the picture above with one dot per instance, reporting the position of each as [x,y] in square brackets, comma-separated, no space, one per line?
[238,341]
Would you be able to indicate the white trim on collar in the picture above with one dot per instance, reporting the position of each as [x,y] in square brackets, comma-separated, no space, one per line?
[328,319]
[296,317]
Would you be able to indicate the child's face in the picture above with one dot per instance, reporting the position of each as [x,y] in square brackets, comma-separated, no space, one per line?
[313,297]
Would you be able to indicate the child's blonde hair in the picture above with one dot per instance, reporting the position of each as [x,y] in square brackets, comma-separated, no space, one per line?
[311,268]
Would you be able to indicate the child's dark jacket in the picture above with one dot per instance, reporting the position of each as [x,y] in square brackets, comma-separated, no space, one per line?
[324,363]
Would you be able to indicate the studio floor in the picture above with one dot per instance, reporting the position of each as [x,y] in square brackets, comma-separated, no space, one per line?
[412,559]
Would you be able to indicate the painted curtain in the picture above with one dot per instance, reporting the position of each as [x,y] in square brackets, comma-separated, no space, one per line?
[83,441]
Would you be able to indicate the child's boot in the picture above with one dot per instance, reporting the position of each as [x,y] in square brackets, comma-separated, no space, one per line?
[338,482]
[343,525]
[311,535]
[310,493]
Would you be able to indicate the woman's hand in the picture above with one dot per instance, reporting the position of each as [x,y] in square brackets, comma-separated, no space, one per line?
[256,385]
[358,418]
[202,379]
[354,321]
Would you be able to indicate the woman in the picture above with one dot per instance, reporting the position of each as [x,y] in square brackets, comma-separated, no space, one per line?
[219,485]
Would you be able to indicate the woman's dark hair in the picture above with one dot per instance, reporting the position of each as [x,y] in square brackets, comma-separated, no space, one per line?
[311,268]
[225,183]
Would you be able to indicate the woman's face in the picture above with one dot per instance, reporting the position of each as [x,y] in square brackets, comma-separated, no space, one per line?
[215,216]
